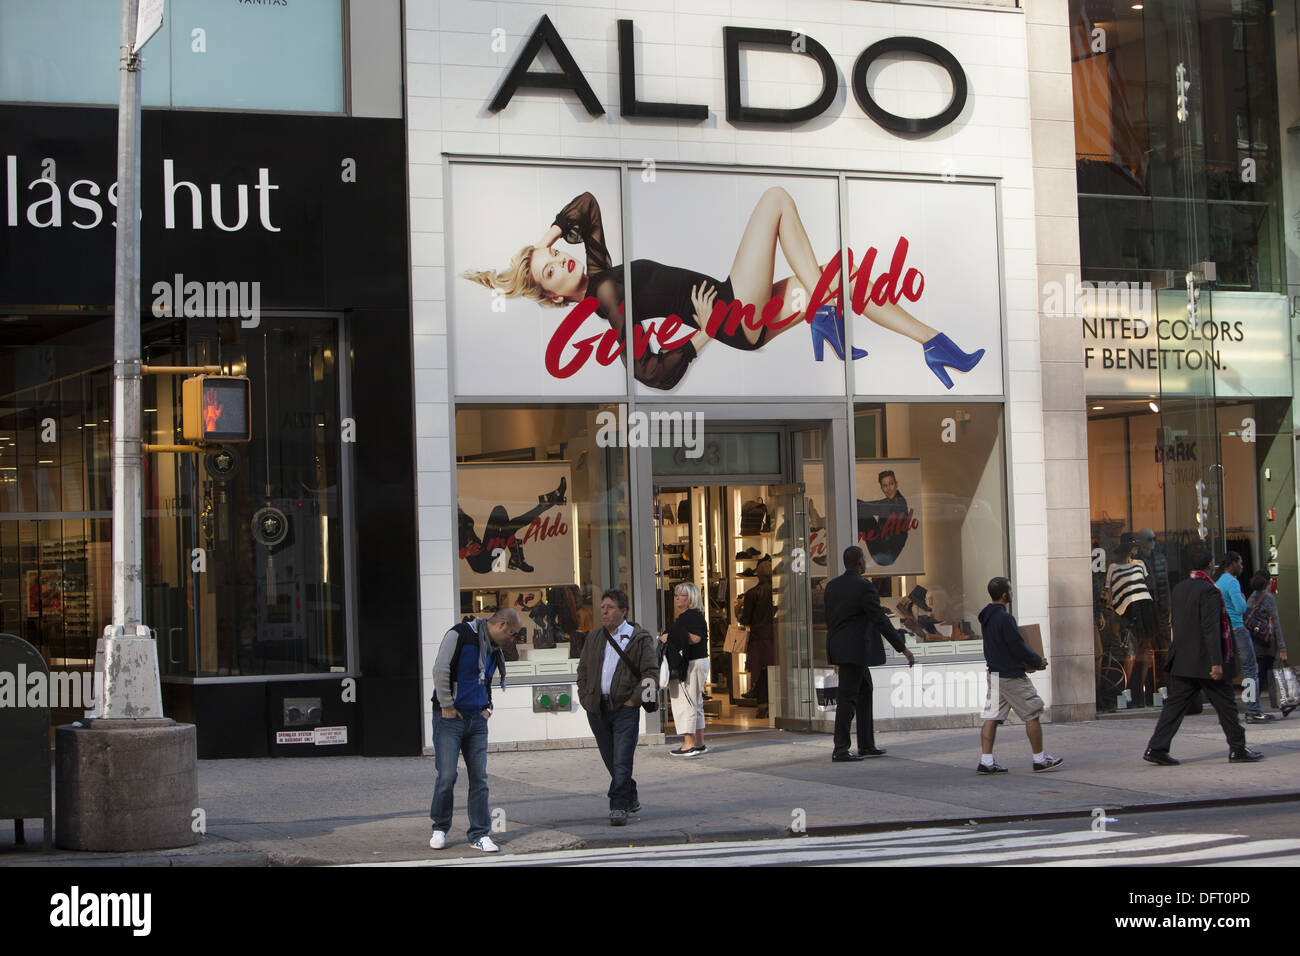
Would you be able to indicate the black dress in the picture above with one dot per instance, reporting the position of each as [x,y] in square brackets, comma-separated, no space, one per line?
[680,650]
[658,291]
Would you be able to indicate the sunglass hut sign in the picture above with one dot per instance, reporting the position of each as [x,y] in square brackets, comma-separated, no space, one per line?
[734,40]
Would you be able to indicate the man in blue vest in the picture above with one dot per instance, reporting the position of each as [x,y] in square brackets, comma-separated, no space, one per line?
[468,658]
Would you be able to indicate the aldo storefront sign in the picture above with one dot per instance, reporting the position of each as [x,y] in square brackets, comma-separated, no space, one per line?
[735,40]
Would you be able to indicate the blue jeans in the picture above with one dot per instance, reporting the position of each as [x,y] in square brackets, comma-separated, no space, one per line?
[1245,648]
[453,736]
[616,733]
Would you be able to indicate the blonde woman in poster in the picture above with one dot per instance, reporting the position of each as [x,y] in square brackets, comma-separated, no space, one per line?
[550,276]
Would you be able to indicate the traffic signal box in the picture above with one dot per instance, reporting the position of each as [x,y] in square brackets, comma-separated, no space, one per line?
[216,408]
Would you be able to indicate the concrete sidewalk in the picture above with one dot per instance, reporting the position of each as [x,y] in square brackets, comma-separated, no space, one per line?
[364,809]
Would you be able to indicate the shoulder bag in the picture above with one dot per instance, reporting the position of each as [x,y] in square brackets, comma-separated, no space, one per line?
[650,705]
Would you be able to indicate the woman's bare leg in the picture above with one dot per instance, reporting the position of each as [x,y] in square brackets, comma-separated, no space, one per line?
[897,319]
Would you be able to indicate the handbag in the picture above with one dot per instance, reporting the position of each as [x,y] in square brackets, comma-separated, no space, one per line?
[650,705]
[737,640]
[1286,685]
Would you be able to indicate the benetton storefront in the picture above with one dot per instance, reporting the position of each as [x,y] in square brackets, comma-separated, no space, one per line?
[754,318]
[273,246]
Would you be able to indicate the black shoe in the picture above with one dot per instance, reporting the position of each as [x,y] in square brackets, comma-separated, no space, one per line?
[681,752]
[871,752]
[1161,757]
[1259,718]
[517,560]
[635,808]
[991,768]
[1244,755]
[747,554]
[1287,710]
[846,758]
[618,818]
[1047,763]
[555,497]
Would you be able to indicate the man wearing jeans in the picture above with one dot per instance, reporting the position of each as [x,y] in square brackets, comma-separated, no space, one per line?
[611,692]
[1244,646]
[468,658]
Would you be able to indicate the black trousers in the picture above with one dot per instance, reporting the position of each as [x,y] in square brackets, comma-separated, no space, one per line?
[854,697]
[1181,692]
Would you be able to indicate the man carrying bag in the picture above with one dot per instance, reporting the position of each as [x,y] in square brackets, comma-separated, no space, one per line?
[617,674]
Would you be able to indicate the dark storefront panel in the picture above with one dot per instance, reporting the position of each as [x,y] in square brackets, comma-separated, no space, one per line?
[285,260]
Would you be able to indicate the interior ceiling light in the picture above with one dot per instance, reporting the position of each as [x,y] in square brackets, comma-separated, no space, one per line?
[1154,407]
[1136,6]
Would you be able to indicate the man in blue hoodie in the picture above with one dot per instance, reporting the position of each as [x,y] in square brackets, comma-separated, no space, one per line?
[1006,654]
[1235,603]
[468,658]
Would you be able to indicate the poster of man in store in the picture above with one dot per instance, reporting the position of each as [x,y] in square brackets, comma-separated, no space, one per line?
[889,529]
[517,525]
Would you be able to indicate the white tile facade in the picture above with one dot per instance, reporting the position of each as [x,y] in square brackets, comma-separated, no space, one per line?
[453,70]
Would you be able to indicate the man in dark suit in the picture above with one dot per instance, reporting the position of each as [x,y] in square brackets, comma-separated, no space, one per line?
[855,622]
[1202,639]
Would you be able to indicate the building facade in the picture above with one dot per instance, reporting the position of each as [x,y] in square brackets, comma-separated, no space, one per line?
[629,229]
[278,573]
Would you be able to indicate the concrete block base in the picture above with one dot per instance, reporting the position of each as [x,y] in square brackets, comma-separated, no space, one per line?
[125,785]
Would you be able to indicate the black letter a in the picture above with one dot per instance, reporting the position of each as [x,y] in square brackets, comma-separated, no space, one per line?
[570,79]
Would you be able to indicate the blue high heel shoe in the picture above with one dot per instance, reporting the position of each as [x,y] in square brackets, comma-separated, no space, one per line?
[828,326]
[941,355]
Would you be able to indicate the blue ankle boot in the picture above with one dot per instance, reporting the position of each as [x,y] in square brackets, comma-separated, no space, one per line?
[941,355]
[828,326]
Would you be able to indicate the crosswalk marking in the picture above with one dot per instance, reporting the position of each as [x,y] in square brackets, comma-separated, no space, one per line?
[935,846]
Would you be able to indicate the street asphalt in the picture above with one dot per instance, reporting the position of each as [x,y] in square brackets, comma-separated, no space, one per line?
[332,810]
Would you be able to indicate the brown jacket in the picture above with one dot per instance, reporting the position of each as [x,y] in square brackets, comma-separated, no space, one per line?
[625,685]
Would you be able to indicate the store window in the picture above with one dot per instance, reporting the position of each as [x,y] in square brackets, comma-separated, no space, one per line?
[225,56]
[1149,463]
[931,517]
[543,525]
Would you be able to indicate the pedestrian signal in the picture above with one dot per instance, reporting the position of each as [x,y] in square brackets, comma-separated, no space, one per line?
[217,408]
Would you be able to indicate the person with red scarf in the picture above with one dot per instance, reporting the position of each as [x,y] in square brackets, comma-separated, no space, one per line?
[1202,647]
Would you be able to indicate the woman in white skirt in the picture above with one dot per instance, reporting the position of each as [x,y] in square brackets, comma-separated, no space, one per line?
[687,652]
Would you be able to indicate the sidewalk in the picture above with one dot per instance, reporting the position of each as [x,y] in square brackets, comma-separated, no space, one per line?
[364,809]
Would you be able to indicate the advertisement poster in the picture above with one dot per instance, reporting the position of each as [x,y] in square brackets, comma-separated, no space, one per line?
[518,525]
[742,245]
[932,323]
[732,286]
[889,526]
[508,302]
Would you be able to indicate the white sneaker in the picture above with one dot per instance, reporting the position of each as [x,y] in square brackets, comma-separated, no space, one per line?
[485,844]
[438,840]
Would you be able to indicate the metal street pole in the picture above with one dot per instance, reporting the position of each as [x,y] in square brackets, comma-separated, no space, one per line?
[127,655]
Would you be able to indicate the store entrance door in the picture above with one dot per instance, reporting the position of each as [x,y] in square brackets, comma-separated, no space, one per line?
[746,545]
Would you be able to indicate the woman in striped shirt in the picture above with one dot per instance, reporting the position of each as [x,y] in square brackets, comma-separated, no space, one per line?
[1131,599]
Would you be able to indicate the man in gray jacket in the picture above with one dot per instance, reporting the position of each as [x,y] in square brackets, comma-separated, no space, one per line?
[611,692]
[467,660]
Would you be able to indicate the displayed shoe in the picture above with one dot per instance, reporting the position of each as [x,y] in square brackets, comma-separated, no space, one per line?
[618,818]
[681,752]
[991,768]
[635,808]
[828,326]
[1047,763]
[941,354]
[747,554]
[917,597]
[1245,755]
[846,758]
[748,573]
[871,752]
[1259,718]
[555,497]
[700,751]
[485,844]
[1160,757]
[750,694]
[438,840]
[517,560]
